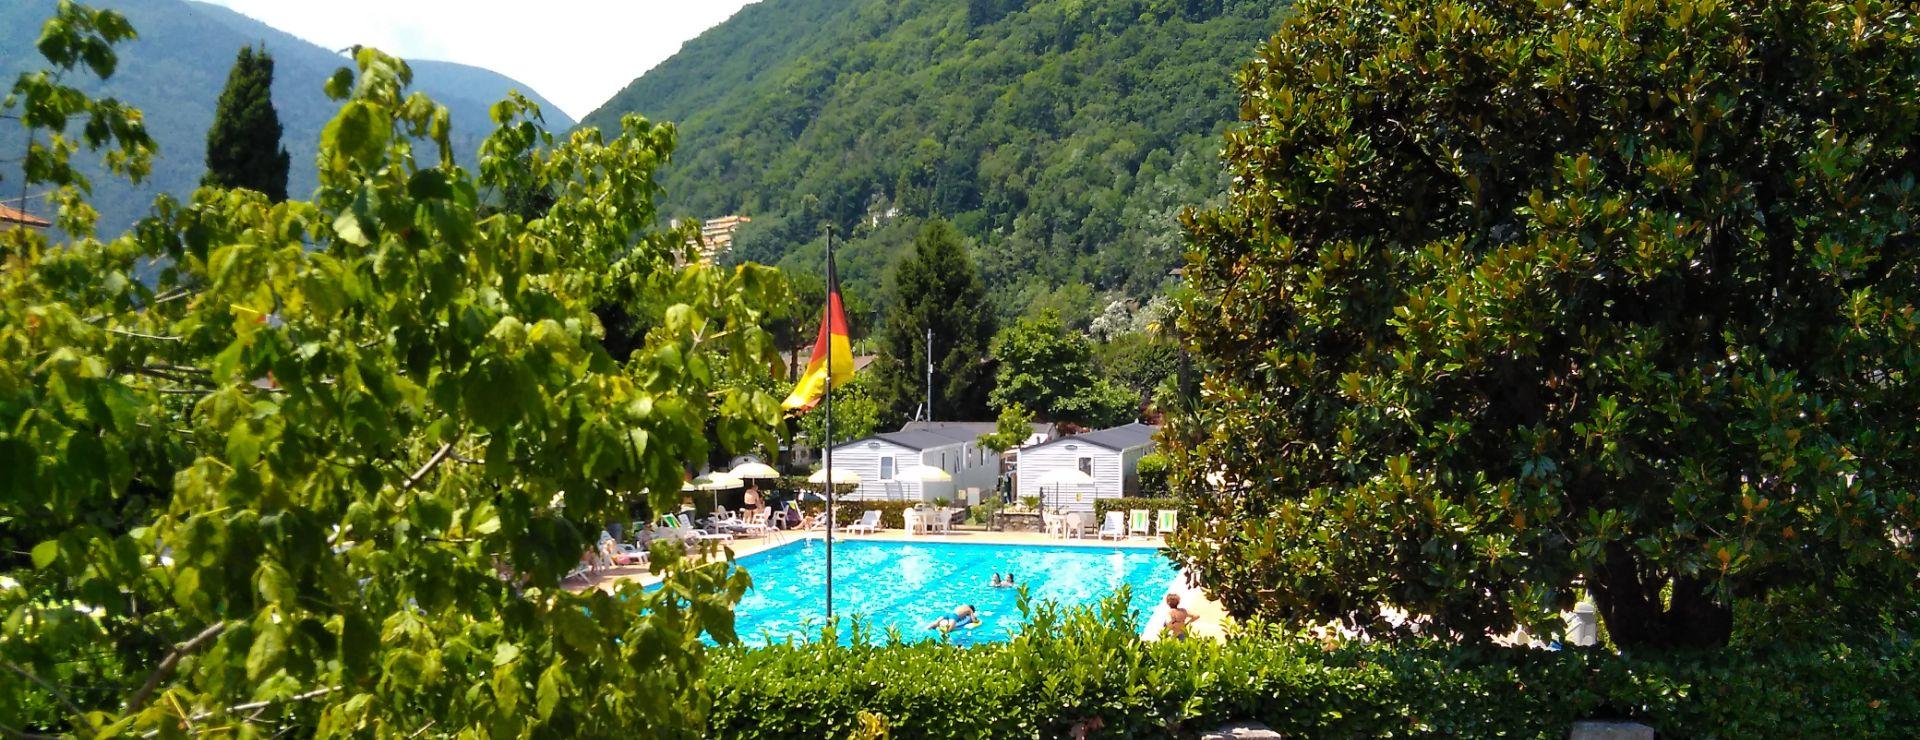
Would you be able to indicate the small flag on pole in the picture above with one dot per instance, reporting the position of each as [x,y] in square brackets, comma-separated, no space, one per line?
[812,384]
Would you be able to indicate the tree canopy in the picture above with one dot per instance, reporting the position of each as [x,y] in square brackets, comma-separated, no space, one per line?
[1049,371]
[855,414]
[1512,302]
[937,288]
[1012,429]
[243,147]
[323,472]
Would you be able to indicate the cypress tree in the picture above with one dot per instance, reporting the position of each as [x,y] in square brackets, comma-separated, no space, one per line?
[243,147]
[937,286]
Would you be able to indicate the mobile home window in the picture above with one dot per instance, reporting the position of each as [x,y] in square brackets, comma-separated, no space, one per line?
[1086,465]
[886,468]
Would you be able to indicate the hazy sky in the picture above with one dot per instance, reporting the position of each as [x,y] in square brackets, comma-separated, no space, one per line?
[577,53]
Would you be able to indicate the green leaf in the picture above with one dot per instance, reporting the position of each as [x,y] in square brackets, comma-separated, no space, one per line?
[505,653]
[268,652]
[548,694]
[243,446]
[45,553]
[357,134]
[347,227]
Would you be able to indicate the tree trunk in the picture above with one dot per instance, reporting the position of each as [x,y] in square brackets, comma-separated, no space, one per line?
[1631,606]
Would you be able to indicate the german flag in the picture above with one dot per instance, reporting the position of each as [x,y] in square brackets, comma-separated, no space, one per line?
[833,342]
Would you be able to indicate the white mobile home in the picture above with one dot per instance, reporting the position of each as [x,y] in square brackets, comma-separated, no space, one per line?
[1110,456]
[885,464]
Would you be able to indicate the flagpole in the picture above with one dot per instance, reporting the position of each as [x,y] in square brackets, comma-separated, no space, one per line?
[929,371]
[826,317]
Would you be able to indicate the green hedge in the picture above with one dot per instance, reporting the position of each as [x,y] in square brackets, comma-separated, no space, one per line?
[1070,670]
[892,513]
[1102,506]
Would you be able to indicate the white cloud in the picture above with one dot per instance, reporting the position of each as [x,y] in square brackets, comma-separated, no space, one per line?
[577,53]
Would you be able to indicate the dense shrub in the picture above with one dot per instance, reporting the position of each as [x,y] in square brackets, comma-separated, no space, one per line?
[1509,304]
[1154,469]
[1102,506]
[1085,669]
[798,484]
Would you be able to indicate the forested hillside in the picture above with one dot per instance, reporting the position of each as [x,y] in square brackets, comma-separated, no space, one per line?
[174,73]
[1062,137]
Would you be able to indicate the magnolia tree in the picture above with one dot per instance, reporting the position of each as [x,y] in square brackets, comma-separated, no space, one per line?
[1514,302]
[320,466]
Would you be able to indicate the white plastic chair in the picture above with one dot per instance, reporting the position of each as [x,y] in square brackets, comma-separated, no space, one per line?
[1115,526]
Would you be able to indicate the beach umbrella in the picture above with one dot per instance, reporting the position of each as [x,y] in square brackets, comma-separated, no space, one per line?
[925,474]
[1059,479]
[717,482]
[842,477]
[714,482]
[754,470]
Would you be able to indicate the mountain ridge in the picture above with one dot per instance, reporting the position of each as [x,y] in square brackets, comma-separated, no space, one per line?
[1062,137]
[174,73]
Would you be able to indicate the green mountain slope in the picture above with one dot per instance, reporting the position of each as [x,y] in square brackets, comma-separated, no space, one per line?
[174,73]
[1061,136]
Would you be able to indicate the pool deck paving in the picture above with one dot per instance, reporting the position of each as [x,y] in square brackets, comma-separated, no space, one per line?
[1210,618]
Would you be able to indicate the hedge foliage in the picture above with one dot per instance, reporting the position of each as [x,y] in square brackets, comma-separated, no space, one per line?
[1154,469]
[1102,506]
[892,513]
[1087,670]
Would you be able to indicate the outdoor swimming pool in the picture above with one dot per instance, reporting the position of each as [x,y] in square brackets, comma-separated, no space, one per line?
[908,584]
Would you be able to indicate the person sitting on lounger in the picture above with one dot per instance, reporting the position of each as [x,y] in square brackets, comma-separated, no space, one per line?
[961,617]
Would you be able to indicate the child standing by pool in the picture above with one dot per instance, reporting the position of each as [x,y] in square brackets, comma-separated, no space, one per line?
[1177,619]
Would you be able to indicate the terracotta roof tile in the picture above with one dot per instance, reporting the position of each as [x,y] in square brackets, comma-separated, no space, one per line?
[11,215]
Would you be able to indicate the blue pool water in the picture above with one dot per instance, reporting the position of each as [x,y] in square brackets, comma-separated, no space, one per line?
[905,585]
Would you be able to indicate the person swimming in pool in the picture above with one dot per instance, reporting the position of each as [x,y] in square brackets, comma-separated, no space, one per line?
[961,617]
[996,581]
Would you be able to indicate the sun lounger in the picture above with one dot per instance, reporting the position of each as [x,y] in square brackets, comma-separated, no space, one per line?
[757,524]
[722,520]
[1138,523]
[705,535]
[1169,519]
[629,554]
[681,527]
[869,522]
[1115,526]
